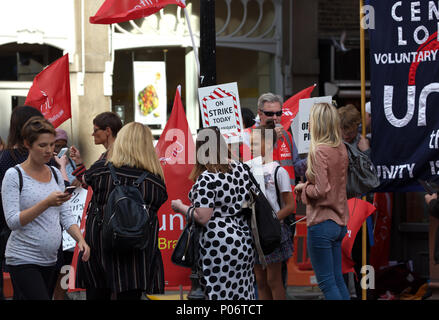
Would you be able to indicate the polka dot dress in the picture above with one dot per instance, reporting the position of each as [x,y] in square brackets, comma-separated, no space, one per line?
[226,245]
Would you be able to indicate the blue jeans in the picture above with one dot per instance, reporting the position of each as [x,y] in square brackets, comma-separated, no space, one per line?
[324,249]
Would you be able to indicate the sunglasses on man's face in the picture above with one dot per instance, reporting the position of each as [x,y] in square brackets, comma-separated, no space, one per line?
[272,113]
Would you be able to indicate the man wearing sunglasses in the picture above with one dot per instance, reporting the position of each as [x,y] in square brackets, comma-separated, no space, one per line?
[285,152]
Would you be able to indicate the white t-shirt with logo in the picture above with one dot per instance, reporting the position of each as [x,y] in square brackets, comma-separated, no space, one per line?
[283,183]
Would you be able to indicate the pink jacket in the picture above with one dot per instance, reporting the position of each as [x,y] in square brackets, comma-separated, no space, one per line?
[325,198]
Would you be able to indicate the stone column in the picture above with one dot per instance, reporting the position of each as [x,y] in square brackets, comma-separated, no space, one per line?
[93,101]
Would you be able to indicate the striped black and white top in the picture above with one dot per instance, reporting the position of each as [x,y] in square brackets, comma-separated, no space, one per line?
[134,270]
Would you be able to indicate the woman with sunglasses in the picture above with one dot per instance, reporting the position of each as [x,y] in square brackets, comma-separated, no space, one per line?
[221,188]
[106,125]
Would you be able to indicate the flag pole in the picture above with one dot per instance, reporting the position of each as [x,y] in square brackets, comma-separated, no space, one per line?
[193,42]
[71,128]
[363,131]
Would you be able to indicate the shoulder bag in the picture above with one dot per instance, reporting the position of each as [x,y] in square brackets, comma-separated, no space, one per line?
[264,222]
[362,175]
[185,253]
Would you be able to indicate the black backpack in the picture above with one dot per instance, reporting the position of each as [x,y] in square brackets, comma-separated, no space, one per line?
[127,223]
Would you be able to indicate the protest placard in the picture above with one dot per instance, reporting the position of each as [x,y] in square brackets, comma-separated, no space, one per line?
[76,203]
[300,124]
[220,107]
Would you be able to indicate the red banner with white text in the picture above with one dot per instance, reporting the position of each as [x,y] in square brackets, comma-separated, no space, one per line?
[175,150]
[50,92]
[115,11]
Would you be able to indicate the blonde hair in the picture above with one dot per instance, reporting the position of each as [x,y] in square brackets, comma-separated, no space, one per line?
[324,124]
[133,147]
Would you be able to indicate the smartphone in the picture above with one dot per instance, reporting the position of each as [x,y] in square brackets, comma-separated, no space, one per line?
[69,189]
[62,152]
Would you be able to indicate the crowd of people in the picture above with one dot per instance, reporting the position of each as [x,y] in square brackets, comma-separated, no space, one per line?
[35,211]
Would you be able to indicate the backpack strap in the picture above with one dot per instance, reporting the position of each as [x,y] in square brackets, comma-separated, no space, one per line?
[140,179]
[277,186]
[54,174]
[116,181]
[252,178]
[20,178]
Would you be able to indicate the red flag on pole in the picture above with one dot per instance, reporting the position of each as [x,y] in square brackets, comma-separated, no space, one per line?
[291,106]
[359,210]
[50,92]
[176,151]
[114,11]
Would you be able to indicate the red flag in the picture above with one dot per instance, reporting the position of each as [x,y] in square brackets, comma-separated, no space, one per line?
[50,92]
[175,150]
[359,210]
[291,106]
[114,11]
[379,253]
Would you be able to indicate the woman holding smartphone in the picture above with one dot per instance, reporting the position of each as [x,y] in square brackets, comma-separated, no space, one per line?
[34,213]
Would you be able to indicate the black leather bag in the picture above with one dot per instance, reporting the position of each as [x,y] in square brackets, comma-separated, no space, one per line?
[185,253]
[266,225]
[362,175]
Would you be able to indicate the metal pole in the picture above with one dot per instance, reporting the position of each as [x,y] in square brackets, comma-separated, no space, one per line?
[363,131]
[207,78]
[207,43]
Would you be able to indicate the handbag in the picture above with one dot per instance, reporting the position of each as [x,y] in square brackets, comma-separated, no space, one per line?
[362,175]
[264,222]
[185,253]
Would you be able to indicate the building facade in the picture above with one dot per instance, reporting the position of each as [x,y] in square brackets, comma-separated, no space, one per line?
[254,48]
[280,46]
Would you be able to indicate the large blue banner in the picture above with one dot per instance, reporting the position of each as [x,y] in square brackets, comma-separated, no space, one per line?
[404,63]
